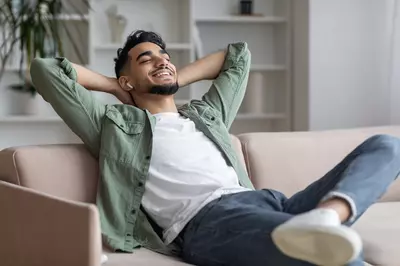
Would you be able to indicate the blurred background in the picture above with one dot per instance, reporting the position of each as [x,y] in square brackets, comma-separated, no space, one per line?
[316,64]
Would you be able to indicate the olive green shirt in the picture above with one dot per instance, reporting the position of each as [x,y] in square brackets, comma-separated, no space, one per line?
[120,137]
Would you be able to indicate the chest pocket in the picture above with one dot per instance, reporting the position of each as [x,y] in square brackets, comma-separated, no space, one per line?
[120,138]
[214,123]
[211,117]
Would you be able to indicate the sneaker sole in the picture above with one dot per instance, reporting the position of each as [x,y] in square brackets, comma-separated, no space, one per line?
[321,245]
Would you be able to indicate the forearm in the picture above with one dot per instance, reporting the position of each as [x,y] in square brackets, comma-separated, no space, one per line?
[94,81]
[206,68]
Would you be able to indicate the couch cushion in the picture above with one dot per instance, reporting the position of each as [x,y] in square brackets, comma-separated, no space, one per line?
[145,257]
[141,257]
[379,228]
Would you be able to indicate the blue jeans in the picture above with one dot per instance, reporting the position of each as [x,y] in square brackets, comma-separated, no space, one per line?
[236,228]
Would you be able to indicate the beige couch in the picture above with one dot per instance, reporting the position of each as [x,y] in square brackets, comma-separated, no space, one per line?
[42,222]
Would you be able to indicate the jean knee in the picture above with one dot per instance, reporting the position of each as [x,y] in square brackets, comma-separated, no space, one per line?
[388,143]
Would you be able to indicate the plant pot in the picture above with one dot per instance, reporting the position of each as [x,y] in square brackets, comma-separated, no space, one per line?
[22,103]
[246,8]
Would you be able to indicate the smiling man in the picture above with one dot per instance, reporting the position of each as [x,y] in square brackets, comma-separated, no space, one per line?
[170,180]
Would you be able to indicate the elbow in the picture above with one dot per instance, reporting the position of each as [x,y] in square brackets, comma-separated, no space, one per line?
[42,65]
[246,53]
[40,72]
[37,63]
[37,69]
[242,49]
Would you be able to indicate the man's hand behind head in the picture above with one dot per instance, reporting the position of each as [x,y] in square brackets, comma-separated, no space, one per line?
[124,96]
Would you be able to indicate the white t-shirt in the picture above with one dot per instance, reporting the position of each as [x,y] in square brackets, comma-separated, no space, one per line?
[186,172]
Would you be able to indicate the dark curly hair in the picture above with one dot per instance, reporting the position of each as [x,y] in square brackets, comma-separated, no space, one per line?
[134,39]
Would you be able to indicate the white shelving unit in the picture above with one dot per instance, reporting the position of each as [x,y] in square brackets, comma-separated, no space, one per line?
[267,34]
[241,19]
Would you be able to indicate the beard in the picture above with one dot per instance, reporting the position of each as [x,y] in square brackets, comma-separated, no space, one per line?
[166,89]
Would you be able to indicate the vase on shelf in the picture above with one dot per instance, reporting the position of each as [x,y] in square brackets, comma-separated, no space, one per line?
[253,102]
[246,7]
[116,23]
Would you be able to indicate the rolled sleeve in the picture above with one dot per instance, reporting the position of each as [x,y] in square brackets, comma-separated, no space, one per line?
[55,79]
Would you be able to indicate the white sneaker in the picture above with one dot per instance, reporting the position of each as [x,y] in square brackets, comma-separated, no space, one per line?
[318,237]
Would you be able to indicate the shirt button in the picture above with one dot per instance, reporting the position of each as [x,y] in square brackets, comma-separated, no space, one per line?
[128,235]
[212,118]
[140,184]
[147,157]
[133,211]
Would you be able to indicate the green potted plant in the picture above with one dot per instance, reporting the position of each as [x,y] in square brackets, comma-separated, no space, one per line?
[32,28]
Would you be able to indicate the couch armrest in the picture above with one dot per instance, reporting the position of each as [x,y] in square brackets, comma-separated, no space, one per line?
[39,229]
[290,161]
[67,171]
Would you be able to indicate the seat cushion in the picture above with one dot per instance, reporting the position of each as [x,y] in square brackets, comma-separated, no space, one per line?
[145,257]
[141,257]
[379,228]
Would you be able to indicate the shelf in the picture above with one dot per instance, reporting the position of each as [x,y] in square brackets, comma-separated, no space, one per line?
[67,17]
[29,119]
[13,69]
[271,116]
[170,46]
[72,17]
[268,68]
[242,19]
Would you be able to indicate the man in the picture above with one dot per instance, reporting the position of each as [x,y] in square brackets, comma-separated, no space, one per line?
[170,179]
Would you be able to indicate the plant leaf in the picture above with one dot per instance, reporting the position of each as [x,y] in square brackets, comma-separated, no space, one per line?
[31,32]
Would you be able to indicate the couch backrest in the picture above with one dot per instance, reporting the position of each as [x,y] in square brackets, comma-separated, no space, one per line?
[66,171]
[288,162]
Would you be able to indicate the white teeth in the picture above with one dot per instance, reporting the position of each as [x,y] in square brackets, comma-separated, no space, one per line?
[162,74]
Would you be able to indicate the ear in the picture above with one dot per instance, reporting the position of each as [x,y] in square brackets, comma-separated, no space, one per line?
[124,83]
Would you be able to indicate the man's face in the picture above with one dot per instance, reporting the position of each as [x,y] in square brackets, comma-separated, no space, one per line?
[150,69]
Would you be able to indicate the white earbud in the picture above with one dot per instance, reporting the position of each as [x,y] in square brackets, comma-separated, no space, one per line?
[129,85]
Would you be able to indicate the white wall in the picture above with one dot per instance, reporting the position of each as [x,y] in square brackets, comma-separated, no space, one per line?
[348,63]
[394,25]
